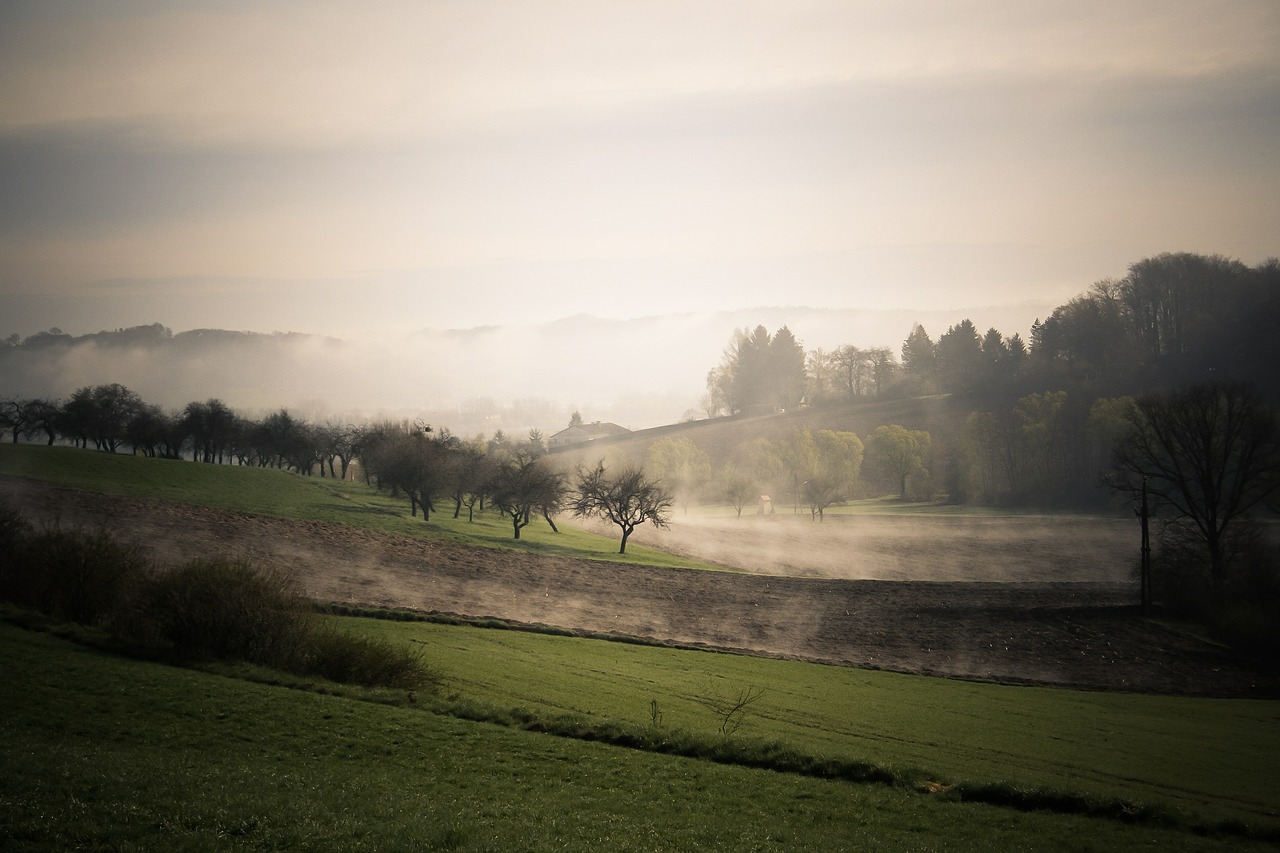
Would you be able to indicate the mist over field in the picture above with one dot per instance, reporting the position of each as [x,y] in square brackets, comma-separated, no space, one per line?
[1010,549]
[638,373]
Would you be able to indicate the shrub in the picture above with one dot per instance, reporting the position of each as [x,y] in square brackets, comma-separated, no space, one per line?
[205,609]
[351,659]
[219,608]
[13,531]
[69,574]
[234,610]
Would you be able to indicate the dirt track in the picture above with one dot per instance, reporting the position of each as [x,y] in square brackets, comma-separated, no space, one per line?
[1081,634]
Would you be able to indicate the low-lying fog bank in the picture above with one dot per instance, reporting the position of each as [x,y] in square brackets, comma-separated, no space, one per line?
[1017,549]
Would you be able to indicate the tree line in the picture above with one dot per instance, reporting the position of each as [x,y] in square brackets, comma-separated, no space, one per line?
[112,417]
[1175,319]
[424,466]
[1159,389]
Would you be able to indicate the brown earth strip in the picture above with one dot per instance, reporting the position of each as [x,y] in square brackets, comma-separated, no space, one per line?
[1077,634]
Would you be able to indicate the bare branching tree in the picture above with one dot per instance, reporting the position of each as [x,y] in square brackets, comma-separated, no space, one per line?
[522,483]
[627,499]
[1209,455]
[731,709]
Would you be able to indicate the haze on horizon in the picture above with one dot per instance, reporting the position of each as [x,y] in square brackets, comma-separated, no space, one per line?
[368,170]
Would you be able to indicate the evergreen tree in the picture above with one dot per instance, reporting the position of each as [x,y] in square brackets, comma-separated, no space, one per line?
[920,359]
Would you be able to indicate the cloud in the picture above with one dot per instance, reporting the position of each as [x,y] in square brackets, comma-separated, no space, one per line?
[332,73]
[488,162]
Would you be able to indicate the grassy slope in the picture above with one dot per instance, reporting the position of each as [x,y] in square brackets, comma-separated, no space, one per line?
[1209,757]
[279,493]
[105,753]
[941,416]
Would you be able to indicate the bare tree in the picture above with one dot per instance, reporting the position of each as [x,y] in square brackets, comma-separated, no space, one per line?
[1207,453]
[739,488]
[17,415]
[627,499]
[100,414]
[211,426]
[470,472]
[732,709]
[154,433]
[521,483]
[409,459]
[44,418]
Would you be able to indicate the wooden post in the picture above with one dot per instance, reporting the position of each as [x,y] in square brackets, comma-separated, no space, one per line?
[1146,551]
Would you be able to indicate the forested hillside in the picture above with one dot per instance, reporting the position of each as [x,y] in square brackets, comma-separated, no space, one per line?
[1027,421]
[1174,320]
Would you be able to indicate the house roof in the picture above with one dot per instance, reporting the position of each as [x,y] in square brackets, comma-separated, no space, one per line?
[589,432]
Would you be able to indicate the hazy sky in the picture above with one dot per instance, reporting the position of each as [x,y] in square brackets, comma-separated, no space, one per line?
[353,167]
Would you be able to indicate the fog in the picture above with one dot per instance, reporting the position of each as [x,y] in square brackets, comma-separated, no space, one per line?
[637,373]
[1012,549]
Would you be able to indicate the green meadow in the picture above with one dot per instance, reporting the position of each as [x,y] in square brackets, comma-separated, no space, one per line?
[106,752]
[269,491]
[1212,757]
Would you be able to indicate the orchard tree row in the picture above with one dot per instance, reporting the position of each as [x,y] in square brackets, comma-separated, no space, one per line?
[412,461]
[113,417]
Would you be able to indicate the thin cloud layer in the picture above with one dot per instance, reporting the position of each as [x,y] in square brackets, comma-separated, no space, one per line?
[348,169]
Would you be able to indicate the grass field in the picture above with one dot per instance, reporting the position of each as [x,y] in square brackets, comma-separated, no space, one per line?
[279,493]
[1212,757]
[102,752]
[107,753]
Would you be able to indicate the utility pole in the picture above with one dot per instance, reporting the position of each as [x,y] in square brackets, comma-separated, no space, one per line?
[1144,514]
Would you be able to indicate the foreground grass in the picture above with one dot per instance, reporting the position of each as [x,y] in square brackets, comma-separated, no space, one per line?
[1212,758]
[286,495]
[105,753]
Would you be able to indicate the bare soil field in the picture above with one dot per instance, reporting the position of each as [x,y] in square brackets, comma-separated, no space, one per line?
[1041,600]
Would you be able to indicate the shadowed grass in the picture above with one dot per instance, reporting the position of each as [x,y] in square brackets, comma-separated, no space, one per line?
[99,752]
[1209,757]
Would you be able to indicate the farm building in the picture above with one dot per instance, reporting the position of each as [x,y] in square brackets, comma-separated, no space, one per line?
[583,433]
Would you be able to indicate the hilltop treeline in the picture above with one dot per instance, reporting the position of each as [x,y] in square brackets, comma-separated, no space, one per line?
[1174,320]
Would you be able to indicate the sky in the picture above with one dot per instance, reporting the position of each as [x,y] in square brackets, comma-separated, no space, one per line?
[369,169]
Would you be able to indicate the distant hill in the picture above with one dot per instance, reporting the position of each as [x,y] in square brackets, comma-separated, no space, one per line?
[638,372]
[943,417]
